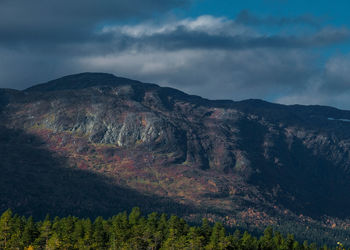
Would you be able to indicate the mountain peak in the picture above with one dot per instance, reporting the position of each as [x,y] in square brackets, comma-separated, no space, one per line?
[90,79]
[81,81]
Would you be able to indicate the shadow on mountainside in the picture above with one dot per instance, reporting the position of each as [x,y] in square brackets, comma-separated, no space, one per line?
[35,182]
[4,98]
[302,181]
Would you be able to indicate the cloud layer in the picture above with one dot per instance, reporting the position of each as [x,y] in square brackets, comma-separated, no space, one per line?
[216,57]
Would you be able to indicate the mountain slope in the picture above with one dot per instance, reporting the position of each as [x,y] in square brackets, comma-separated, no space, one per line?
[243,162]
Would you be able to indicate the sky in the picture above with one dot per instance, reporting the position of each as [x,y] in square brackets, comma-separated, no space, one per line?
[283,51]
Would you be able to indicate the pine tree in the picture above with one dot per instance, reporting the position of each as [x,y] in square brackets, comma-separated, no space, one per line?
[99,235]
[195,239]
[248,242]
[5,228]
[30,232]
[205,230]
[54,242]
[134,215]
[162,228]
[171,241]
[120,229]
[15,241]
[289,242]
[217,238]
[150,232]
[87,239]
[267,241]
[67,227]
[45,233]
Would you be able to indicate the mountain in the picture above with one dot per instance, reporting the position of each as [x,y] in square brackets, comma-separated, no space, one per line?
[94,144]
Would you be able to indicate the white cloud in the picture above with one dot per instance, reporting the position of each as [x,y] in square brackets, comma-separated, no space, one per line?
[208,24]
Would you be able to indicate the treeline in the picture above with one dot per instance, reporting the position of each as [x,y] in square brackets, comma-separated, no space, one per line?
[132,231]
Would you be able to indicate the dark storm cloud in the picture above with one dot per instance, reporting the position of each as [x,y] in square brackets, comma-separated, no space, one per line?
[182,38]
[42,39]
[246,17]
[69,20]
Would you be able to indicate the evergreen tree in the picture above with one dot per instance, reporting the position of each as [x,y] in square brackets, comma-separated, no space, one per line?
[171,241]
[248,242]
[195,238]
[30,232]
[5,228]
[44,233]
[162,228]
[78,235]
[267,241]
[15,241]
[150,234]
[134,215]
[99,236]
[218,237]
[53,242]
[87,239]
[120,229]
[65,232]
[289,242]
[205,229]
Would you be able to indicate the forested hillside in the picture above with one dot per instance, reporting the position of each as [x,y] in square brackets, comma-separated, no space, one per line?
[133,231]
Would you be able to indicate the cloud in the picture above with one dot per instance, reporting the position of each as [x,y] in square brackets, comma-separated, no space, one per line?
[220,58]
[51,21]
[214,74]
[208,32]
[328,86]
[216,57]
[337,71]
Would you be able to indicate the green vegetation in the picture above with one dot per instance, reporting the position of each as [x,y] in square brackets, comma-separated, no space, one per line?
[132,231]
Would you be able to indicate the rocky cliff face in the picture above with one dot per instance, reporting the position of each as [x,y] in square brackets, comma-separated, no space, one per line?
[251,161]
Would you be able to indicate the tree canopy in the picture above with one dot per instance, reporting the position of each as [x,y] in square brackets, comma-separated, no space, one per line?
[133,231]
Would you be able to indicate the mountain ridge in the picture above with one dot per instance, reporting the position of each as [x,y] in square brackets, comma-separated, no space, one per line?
[56,85]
